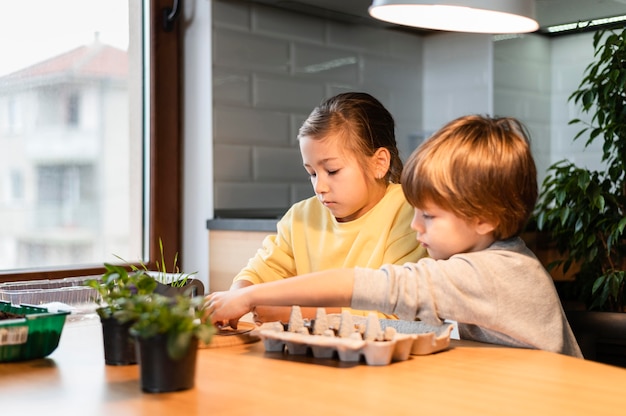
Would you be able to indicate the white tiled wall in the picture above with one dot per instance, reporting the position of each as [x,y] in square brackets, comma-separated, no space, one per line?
[534,77]
[457,77]
[522,89]
[570,56]
[271,67]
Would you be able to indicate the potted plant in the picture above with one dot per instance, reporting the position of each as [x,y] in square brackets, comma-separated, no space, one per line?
[167,331]
[584,210]
[170,283]
[115,284]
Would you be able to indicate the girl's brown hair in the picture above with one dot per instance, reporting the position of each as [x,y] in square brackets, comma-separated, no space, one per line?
[363,124]
[476,167]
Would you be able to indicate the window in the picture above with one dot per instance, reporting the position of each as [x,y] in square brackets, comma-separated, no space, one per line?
[73,103]
[12,122]
[16,186]
[78,118]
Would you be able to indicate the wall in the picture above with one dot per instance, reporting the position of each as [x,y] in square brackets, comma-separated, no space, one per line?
[525,76]
[458,77]
[522,89]
[531,78]
[198,149]
[570,55]
[271,68]
[534,77]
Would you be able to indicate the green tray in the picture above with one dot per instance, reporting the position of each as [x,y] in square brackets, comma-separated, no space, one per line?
[34,336]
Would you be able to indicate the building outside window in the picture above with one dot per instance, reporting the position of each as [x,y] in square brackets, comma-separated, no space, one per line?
[72,134]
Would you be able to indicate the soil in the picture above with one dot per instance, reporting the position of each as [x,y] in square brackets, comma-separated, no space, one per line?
[9,315]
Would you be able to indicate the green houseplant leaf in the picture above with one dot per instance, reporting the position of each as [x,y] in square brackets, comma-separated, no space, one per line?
[118,283]
[175,278]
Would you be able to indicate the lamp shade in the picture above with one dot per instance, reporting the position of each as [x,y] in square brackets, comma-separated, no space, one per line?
[476,16]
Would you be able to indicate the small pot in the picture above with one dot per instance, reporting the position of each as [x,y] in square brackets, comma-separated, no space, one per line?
[193,287]
[119,345]
[159,373]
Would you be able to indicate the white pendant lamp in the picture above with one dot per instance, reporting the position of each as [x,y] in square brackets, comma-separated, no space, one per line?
[475,16]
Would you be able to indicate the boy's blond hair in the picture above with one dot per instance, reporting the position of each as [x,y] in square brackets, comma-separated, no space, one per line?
[476,167]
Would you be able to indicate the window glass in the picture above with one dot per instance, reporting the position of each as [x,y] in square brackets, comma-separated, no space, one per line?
[71,132]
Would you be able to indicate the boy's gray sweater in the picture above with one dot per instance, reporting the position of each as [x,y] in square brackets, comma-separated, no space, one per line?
[501,295]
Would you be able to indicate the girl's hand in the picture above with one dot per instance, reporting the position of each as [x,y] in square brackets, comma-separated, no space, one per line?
[226,308]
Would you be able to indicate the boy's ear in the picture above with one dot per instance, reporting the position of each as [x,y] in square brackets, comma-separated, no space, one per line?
[382,161]
[484,227]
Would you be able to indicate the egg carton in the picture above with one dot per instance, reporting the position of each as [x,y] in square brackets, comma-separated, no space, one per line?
[352,338]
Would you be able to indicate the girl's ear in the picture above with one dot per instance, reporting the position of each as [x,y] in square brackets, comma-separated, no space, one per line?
[381,162]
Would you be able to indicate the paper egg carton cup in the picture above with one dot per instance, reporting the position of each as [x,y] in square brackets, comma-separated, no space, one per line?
[378,341]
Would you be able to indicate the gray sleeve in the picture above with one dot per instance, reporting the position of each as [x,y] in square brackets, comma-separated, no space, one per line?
[390,289]
[473,288]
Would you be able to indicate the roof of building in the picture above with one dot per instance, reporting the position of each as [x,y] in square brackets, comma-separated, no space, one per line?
[94,60]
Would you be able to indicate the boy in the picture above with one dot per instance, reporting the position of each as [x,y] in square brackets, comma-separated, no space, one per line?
[473,186]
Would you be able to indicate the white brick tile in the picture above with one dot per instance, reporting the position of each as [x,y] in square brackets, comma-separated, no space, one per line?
[406,105]
[525,105]
[232,195]
[286,93]
[231,13]
[405,46]
[296,121]
[359,38]
[525,76]
[278,165]
[300,191]
[391,73]
[250,126]
[232,86]
[232,163]
[325,63]
[252,51]
[288,25]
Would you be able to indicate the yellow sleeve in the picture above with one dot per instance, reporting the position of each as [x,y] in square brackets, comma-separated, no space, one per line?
[274,260]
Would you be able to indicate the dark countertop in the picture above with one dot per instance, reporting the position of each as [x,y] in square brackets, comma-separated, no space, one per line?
[246,219]
[242,224]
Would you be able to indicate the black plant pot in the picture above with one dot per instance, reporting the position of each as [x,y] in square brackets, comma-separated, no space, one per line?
[600,335]
[119,345]
[193,287]
[160,373]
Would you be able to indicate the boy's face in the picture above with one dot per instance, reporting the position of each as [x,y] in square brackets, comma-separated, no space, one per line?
[337,178]
[444,234]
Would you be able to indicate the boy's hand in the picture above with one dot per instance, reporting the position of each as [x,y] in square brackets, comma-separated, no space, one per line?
[226,307]
[262,314]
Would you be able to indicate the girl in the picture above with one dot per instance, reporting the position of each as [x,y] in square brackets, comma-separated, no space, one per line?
[358,216]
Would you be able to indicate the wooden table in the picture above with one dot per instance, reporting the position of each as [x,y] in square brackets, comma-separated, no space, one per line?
[467,379]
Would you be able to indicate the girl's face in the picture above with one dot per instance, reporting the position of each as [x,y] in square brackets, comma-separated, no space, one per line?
[444,234]
[339,181]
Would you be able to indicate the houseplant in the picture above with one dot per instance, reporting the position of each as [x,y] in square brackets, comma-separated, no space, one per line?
[124,282]
[115,284]
[170,283]
[584,210]
[167,331]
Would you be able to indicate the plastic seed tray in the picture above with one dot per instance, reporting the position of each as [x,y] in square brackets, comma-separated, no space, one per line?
[70,291]
[36,335]
[350,339]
